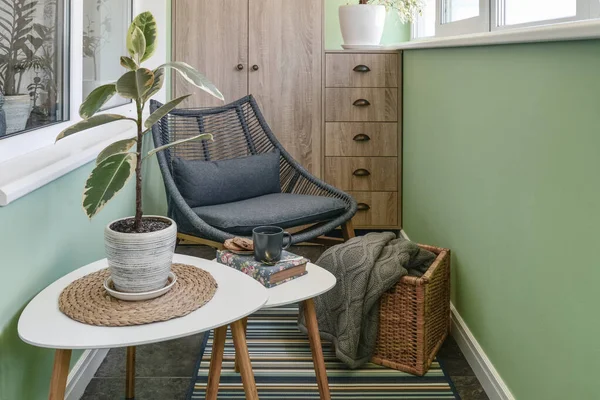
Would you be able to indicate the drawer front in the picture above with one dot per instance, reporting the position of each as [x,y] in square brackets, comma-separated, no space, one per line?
[362,173]
[376,208]
[361,104]
[361,139]
[361,70]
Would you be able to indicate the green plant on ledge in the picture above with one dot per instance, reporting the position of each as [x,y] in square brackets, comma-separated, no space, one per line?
[117,163]
[407,9]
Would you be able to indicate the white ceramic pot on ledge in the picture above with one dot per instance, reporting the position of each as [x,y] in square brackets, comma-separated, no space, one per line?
[17,109]
[140,262]
[362,24]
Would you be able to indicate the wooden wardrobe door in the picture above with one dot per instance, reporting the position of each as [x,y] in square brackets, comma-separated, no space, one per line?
[212,36]
[285,43]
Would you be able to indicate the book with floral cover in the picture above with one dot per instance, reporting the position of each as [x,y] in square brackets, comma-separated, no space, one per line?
[290,266]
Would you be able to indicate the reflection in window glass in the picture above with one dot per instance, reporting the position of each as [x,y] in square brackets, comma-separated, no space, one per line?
[32,64]
[425,25]
[105,24]
[457,10]
[523,11]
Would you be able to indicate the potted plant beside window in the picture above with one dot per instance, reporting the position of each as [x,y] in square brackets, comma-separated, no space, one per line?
[16,24]
[139,248]
[362,23]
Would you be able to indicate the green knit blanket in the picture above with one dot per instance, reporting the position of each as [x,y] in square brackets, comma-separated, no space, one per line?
[365,267]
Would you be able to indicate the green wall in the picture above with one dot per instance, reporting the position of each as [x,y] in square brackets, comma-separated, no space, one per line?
[501,164]
[43,236]
[394,32]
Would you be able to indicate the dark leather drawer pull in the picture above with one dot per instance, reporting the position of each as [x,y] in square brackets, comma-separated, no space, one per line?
[361,103]
[361,137]
[362,68]
[361,172]
[363,207]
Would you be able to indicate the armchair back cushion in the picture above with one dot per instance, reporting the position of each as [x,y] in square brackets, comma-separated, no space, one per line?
[207,183]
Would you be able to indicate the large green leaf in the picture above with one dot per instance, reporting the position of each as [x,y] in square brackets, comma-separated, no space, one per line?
[129,63]
[204,136]
[92,122]
[97,99]
[120,146]
[136,42]
[134,85]
[164,110]
[190,74]
[106,180]
[159,80]
[147,24]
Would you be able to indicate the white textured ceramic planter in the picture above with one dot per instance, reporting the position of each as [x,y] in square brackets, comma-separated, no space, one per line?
[17,110]
[362,24]
[140,262]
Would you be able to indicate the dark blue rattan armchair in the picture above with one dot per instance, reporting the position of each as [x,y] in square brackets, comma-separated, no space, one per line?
[240,130]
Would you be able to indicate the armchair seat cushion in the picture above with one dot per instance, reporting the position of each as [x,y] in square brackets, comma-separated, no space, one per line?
[281,209]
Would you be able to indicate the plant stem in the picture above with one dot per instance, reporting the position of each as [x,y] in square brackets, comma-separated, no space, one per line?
[138,170]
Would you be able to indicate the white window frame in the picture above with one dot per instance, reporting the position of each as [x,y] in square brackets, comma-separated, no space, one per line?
[489,20]
[32,159]
[480,23]
[586,9]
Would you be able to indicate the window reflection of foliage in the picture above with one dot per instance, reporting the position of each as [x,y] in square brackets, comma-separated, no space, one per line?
[94,40]
[29,31]
[17,44]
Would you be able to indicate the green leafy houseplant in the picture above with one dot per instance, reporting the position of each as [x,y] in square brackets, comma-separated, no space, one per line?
[407,9]
[118,162]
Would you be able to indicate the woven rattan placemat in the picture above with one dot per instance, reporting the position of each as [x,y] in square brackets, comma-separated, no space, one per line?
[85,300]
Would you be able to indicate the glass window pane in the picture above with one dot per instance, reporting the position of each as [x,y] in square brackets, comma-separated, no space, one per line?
[425,24]
[32,64]
[457,10]
[105,24]
[523,11]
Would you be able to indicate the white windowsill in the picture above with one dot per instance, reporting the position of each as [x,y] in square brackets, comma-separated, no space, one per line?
[24,174]
[578,30]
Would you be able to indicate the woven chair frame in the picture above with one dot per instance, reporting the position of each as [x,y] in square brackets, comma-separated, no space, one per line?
[239,130]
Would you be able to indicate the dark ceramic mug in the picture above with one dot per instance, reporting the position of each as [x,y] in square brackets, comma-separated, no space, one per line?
[268,243]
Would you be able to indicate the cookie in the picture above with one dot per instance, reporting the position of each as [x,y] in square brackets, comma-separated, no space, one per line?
[230,245]
[244,243]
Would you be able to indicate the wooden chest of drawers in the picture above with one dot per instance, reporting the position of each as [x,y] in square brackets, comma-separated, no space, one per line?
[363,133]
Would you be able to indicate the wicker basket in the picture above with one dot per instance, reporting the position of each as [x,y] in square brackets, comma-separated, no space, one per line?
[414,318]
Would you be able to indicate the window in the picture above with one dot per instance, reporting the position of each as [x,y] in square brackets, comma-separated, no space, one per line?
[457,10]
[33,64]
[105,24]
[456,17]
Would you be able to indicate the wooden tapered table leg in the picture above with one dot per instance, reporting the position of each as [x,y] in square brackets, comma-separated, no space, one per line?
[236,365]
[60,372]
[241,351]
[310,317]
[216,361]
[130,374]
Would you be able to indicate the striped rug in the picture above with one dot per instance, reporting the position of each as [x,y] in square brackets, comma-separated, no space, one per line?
[283,368]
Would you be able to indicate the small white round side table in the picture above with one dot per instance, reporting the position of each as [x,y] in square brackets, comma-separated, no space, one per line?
[43,325]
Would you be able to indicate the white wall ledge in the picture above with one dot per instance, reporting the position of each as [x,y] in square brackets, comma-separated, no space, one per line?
[578,30]
[22,175]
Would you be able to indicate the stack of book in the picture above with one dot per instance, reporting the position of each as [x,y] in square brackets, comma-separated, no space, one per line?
[291,266]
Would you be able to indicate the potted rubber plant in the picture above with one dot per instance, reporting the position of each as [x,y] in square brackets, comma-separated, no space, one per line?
[362,21]
[139,248]
[16,21]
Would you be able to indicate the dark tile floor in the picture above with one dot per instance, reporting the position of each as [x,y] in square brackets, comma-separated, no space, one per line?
[164,370]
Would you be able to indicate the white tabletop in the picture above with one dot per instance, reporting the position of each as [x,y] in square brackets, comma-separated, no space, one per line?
[316,282]
[43,325]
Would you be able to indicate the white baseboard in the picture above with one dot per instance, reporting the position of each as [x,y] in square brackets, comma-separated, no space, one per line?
[83,372]
[483,368]
[485,371]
